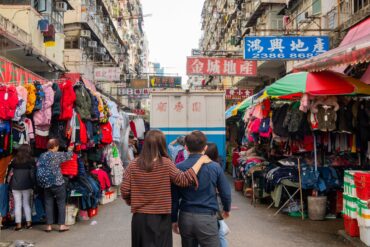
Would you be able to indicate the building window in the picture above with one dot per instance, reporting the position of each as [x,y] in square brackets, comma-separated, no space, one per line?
[316,7]
[360,4]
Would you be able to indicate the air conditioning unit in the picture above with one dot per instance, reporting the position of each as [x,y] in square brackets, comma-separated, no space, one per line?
[106,57]
[102,50]
[99,8]
[93,44]
[240,14]
[244,5]
[61,6]
[106,20]
[247,15]
[85,33]
[83,2]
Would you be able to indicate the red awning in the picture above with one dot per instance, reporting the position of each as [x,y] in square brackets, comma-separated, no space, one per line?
[354,49]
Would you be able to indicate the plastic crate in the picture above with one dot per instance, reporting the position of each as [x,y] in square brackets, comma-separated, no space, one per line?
[363,213]
[351,226]
[362,183]
[365,235]
[108,196]
[350,206]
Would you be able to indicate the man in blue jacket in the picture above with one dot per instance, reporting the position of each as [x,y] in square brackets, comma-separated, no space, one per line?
[194,212]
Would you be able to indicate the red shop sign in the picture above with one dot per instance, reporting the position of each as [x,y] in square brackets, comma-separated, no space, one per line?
[220,66]
[238,94]
[139,112]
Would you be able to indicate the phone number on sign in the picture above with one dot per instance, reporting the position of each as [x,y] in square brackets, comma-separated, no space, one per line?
[282,55]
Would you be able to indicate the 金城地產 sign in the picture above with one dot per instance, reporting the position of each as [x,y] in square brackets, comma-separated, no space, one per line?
[284,47]
[220,66]
[165,81]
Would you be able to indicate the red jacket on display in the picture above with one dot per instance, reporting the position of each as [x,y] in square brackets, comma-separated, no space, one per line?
[8,102]
[70,167]
[103,178]
[83,131]
[133,128]
[67,100]
[106,132]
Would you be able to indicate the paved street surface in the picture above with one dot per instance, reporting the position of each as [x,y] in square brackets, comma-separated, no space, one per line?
[256,227]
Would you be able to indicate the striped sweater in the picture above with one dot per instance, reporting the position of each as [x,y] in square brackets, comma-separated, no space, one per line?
[150,192]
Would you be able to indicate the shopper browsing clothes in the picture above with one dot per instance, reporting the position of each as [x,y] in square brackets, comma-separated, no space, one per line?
[212,153]
[146,188]
[177,150]
[194,210]
[50,178]
[21,181]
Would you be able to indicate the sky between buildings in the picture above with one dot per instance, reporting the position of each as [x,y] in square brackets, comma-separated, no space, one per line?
[173,30]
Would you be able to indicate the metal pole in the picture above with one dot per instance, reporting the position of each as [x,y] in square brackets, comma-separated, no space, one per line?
[300,187]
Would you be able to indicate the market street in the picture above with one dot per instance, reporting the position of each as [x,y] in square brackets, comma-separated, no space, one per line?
[255,227]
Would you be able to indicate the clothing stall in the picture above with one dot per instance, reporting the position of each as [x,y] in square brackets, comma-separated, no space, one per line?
[76,114]
[303,134]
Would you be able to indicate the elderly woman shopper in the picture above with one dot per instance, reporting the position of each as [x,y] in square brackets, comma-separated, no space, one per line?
[147,189]
[50,178]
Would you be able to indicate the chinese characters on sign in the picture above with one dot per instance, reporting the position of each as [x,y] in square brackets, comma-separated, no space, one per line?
[139,111]
[162,106]
[131,92]
[197,107]
[284,47]
[178,106]
[107,74]
[238,94]
[165,81]
[220,66]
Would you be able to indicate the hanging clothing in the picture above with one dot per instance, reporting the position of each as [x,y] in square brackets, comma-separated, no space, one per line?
[326,117]
[67,101]
[22,103]
[4,164]
[57,97]
[8,102]
[106,113]
[83,101]
[140,128]
[103,178]
[40,96]
[31,97]
[133,128]
[106,132]
[49,36]
[345,118]
[43,25]
[43,116]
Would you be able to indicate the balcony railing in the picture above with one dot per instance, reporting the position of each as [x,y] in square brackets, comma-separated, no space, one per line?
[13,31]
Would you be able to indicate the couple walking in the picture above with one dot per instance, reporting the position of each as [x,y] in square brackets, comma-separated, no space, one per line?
[192,200]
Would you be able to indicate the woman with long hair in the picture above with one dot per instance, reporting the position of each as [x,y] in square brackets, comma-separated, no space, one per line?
[146,188]
[50,178]
[22,182]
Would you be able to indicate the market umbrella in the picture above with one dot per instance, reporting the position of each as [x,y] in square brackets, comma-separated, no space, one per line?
[243,105]
[317,83]
[229,112]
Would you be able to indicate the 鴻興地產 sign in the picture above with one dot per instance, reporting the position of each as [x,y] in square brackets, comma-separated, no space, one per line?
[220,66]
[284,47]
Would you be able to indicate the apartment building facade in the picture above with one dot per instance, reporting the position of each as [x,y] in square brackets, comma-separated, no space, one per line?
[226,22]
